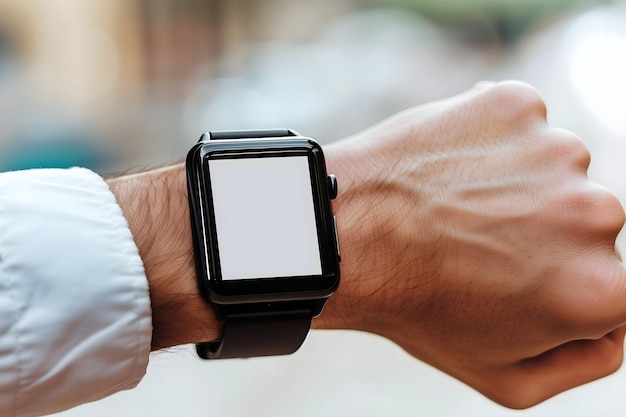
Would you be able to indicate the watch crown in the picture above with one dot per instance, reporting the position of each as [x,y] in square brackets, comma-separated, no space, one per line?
[332,186]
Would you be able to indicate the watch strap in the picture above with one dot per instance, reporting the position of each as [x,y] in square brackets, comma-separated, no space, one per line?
[265,329]
[249,134]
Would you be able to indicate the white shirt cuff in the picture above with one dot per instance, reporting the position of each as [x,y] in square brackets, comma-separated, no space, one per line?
[75,318]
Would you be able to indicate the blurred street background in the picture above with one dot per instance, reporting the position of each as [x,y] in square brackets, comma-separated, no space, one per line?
[126,84]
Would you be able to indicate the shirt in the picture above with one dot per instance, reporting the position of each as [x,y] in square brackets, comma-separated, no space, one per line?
[75,318]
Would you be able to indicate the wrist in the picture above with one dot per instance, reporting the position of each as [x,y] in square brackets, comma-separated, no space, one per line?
[371,211]
[155,206]
[353,305]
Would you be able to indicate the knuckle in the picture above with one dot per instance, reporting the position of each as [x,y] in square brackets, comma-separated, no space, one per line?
[612,208]
[571,148]
[587,309]
[597,210]
[593,213]
[516,98]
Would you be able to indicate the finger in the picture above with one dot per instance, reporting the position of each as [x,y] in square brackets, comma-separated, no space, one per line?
[574,363]
[594,304]
[564,367]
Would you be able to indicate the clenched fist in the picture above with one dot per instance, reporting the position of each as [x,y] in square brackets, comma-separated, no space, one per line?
[472,237]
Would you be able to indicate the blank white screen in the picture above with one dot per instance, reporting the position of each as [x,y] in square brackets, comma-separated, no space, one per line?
[264,217]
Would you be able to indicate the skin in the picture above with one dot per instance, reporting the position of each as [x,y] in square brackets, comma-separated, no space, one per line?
[470,234]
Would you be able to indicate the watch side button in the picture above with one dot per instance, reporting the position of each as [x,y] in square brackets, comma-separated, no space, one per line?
[332,186]
[337,238]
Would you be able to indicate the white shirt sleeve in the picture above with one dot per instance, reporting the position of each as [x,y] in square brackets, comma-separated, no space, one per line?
[75,318]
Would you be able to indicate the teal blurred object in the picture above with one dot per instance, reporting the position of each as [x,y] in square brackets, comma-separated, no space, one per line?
[509,19]
[57,147]
[497,8]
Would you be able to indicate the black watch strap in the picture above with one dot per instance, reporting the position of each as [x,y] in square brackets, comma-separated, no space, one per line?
[265,329]
[259,329]
[247,134]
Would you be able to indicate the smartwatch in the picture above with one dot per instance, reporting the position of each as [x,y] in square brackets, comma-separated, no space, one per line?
[265,238]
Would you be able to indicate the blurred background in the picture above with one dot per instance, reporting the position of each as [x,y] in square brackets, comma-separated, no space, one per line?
[125,84]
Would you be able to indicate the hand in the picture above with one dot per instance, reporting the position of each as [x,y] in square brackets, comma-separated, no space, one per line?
[472,237]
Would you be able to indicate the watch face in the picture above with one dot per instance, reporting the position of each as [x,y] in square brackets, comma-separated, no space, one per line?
[263,220]
[264,217]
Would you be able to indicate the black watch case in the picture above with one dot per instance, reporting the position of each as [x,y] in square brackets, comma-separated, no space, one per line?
[206,243]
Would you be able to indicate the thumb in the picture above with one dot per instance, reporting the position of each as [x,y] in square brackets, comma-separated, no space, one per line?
[566,366]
